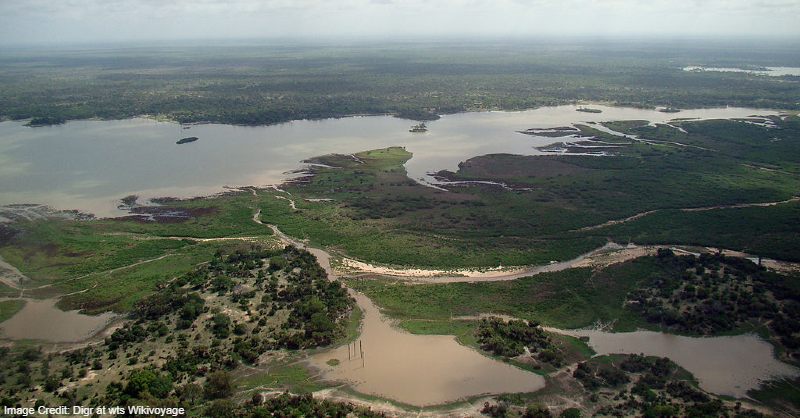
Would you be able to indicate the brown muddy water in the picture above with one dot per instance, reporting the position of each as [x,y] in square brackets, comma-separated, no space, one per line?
[419,370]
[729,365]
[40,319]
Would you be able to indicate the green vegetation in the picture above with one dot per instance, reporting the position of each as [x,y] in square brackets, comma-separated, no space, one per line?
[622,385]
[713,294]
[513,338]
[291,377]
[556,205]
[115,262]
[782,395]
[663,292]
[306,406]
[567,299]
[650,386]
[766,231]
[379,214]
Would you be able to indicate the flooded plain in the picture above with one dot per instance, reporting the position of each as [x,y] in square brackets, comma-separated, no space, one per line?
[89,165]
[419,370]
[728,365]
[40,319]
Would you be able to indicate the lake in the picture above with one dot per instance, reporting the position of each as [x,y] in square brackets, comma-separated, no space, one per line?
[89,165]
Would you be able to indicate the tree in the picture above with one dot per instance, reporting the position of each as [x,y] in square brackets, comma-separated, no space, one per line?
[190,392]
[537,411]
[221,408]
[221,325]
[218,385]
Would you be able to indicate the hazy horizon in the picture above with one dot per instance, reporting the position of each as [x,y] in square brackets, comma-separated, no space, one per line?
[96,21]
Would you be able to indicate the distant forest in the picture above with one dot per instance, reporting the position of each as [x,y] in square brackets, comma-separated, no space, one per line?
[272,83]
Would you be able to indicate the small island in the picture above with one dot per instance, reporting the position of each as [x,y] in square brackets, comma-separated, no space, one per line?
[187,140]
[588,110]
[40,121]
[421,127]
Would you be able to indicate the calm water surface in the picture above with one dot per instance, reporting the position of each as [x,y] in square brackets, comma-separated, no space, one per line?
[90,165]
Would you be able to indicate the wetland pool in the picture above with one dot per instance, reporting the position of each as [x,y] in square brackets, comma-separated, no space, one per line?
[419,370]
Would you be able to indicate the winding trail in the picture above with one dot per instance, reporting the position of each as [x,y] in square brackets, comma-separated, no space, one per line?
[114,270]
[608,254]
[698,209]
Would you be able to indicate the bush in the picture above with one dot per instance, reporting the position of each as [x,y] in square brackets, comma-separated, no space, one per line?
[149,381]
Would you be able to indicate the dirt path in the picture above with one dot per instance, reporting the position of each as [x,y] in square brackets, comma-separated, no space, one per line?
[611,253]
[698,209]
[114,270]
[608,254]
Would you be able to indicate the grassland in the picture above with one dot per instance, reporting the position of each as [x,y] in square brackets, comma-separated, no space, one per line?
[109,264]
[377,214]
[568,299]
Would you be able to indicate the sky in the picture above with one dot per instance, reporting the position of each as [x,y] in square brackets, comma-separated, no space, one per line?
[77,21]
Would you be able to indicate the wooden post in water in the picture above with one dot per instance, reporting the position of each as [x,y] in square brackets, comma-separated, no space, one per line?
[362,359]
[360,349]
[348,352]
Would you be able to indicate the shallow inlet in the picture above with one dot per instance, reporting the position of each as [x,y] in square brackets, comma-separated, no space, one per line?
[42,320]
[420,370]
